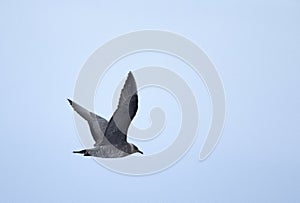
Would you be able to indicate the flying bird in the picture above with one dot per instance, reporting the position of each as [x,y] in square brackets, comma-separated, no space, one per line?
[111,136]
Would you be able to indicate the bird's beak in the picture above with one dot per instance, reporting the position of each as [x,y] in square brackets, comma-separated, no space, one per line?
[140,152]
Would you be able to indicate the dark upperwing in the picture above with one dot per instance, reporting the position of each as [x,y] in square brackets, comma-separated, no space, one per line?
[116,131]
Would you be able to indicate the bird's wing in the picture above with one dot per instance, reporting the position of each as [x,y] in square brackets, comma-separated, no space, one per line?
[116,131]
[96,123]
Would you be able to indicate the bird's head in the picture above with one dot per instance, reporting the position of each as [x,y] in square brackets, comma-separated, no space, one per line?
[135,149]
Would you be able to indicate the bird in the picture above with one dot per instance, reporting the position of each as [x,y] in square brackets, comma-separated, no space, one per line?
[111,136]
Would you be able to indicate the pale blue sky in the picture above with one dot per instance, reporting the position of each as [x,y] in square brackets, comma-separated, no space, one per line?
[255,48]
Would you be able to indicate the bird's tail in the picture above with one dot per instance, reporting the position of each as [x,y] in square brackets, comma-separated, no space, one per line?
[84,152]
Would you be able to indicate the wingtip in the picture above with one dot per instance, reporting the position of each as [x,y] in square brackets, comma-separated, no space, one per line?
[130,73]
[70,101]
[130,76]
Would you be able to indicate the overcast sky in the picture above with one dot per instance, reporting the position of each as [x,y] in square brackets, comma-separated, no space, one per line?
[255,48]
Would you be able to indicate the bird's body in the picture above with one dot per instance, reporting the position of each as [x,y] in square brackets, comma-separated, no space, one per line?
[107,151]
[111,136]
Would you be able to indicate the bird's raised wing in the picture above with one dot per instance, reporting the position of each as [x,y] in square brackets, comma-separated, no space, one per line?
[116,131]
[96,123]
